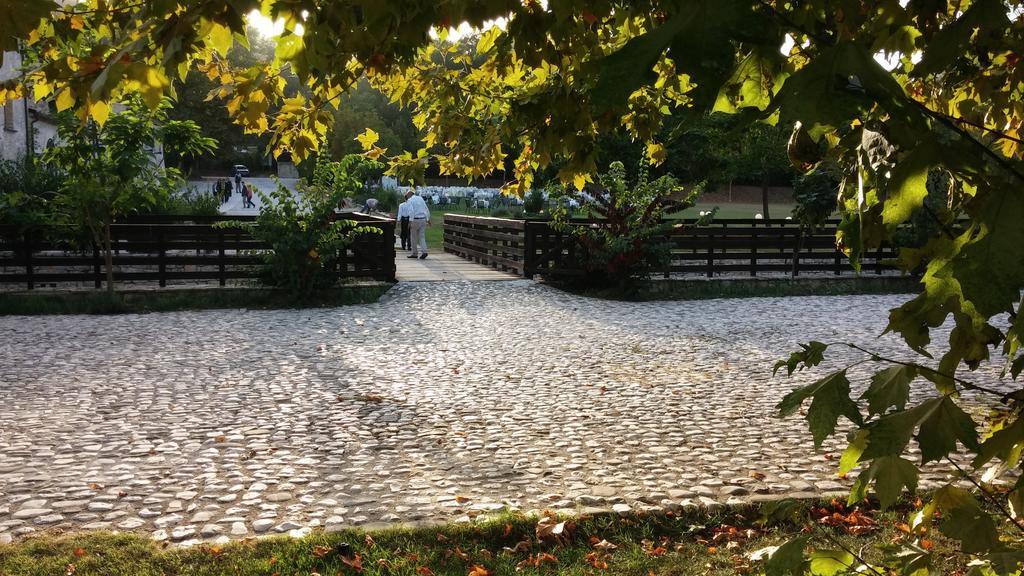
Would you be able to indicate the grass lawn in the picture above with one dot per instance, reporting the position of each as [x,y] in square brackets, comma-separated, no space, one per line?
[738,210]
[707,543]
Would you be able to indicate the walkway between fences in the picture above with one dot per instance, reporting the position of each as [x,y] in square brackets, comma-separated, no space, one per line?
[725,247]
[166,249]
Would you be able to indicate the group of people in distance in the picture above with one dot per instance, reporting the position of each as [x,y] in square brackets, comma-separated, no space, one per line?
[413,216]
[223,189]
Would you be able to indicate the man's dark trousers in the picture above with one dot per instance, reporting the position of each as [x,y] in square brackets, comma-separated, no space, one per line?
[406,242]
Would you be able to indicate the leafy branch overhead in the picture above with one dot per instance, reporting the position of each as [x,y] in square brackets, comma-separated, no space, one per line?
[881,96]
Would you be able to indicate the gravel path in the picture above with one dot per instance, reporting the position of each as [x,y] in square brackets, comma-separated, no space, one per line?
[444,401]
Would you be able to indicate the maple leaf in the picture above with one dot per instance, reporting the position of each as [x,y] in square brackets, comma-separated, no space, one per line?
[424,571]
[477,570]
[321,551]
[367,139]
[356,562]
[507,531]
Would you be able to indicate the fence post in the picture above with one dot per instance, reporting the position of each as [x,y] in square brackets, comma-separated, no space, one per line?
[221,257]
[160,259]
[668,261]
[753,250]
[796,253]
[711,253]
[96,265]
[529,252]
[28,258]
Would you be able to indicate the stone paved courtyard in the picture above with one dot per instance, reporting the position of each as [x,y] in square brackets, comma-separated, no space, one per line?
[444,401]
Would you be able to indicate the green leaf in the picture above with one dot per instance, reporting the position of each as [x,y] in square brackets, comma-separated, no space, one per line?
[831,562]
[1006,562]
[973,527]
[811,355]
[989,267]
[942,423]
[788,558]
[831,399]
[942,428]
[951,41]
[889,387]
[1006,444]
[753,83]
[18,18]
[851,456]
[891,475]
[908,185]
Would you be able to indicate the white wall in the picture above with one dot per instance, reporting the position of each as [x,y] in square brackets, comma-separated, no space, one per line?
[12,135]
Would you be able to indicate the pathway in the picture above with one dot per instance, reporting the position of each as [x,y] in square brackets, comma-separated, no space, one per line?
[443,267]
[445,401]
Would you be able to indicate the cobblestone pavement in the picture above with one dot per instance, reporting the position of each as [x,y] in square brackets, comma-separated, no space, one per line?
[444,401]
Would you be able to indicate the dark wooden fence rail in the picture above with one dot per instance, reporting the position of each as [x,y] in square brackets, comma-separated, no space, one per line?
[166,249]
[496,242]
[740,246]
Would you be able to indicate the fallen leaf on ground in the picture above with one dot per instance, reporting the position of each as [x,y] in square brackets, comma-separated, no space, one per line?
[369,541]
[597,560]
[79,552]
[424,571]
[462,499]
[478,570]
[521,546]
[355,562]
[603,545]
[321,551]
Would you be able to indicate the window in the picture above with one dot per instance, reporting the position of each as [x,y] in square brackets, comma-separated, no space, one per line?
[9,116]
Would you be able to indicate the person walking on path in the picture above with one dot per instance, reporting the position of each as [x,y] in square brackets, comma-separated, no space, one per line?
[419,219]
[249,195]
[403,220]
[238,181]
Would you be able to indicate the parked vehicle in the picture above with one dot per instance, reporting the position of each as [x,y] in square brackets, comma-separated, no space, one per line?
[241,170]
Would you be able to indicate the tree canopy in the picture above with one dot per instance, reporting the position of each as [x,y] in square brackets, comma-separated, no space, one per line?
[884,93]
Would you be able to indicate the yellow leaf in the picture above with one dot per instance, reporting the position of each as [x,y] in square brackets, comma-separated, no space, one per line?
[221,38]
[77,22]
[368,138]
[40,90]
[374,153]
[65,100]
[580,180]
[656,153]
[100,111]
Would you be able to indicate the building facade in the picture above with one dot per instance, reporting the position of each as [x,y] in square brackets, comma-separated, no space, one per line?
[24,123]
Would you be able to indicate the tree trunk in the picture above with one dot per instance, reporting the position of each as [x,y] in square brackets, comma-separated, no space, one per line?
[108,258]
[796,252]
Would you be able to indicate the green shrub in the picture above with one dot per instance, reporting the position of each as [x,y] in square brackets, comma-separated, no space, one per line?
[628,240]
[534,202]
[189,202]
[27,191]
[501,212]
[306,242]
[815,194]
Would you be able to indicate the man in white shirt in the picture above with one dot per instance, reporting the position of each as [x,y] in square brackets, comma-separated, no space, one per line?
[403,220]
[419,219]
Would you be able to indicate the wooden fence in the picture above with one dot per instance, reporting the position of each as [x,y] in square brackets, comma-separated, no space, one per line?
[724,247]
[496,242]
[163,249]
